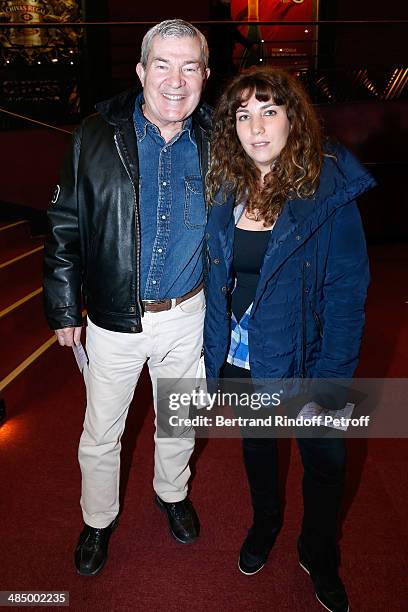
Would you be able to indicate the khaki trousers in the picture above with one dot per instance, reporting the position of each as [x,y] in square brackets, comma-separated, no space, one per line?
[171,344]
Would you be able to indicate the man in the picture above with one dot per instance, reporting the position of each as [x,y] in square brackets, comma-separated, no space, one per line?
[127,224]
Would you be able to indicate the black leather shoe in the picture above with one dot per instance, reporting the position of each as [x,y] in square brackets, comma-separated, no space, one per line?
[91,552]
[183,520]
[329,589]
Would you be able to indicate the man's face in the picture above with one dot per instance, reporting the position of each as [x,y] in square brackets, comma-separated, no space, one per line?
[172,81]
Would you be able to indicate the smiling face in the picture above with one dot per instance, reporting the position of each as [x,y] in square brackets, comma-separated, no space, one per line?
[262,129]
[172,81]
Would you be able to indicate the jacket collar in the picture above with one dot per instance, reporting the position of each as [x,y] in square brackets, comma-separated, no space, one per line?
[120,108]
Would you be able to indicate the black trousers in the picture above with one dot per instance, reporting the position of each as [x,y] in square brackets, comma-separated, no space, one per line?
[324,463]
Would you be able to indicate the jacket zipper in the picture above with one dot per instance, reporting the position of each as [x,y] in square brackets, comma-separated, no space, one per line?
[303,314]
[137,228]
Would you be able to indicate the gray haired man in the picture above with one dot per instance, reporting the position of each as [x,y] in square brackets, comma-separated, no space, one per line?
[127,225]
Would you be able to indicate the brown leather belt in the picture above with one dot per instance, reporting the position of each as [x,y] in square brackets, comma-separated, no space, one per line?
[160,305]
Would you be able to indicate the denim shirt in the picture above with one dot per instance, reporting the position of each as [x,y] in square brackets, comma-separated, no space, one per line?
[172,210]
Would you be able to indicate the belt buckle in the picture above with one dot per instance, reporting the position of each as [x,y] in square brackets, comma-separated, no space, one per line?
[154,301]
[158,303]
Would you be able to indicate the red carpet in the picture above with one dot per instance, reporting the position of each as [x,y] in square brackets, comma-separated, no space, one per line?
[147,571]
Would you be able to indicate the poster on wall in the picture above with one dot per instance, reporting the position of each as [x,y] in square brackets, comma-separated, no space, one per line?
[289,46]
[40,65]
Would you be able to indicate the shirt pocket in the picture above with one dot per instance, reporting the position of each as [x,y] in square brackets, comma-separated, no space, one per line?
[194,206]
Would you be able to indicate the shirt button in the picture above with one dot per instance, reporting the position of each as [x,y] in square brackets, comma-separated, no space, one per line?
[224,289]
[216,260]
[160,250]
[154,282]
[163,216]
[133,329]
[308,264]
[298,237]
[207,236]
[132,309]
[164,183]
[164,150]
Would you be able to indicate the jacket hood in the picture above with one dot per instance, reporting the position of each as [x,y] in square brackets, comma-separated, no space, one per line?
[342,180]
[343,177]
[120,108]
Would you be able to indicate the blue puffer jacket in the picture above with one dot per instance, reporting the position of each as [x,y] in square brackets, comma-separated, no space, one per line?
[307,317]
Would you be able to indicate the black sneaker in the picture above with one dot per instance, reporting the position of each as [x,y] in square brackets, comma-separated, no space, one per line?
[183,520]
[254,552]
[91,552]
[329,589]
[251,561]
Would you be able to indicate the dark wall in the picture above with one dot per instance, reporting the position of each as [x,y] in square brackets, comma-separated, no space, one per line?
[377,133]
[96,57]
[366,9]
[374,46]
[129,10]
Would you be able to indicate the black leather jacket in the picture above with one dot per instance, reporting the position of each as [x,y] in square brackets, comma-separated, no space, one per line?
[93,248]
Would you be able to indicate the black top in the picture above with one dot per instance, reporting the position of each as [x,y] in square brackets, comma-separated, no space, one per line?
[249,251]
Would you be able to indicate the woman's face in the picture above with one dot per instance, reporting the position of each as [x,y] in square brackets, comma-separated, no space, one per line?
[262,129]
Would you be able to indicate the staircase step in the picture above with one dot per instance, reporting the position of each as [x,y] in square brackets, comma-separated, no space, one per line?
[13,233]
[20,278]
[56,363]
[22,331]
[22,249]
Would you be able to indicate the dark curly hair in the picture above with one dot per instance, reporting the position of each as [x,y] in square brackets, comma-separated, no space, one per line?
[296,171]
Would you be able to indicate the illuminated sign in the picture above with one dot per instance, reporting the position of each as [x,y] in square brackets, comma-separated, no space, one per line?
[276,44]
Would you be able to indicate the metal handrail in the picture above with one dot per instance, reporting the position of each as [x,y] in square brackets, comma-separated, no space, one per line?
[82,24]
[25,118]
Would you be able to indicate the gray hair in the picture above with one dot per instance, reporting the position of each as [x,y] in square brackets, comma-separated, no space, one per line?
[173,28]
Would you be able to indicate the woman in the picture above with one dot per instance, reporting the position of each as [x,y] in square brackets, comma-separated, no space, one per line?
[287,256]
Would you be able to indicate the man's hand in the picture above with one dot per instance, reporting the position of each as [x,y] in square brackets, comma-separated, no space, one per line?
[68,336]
